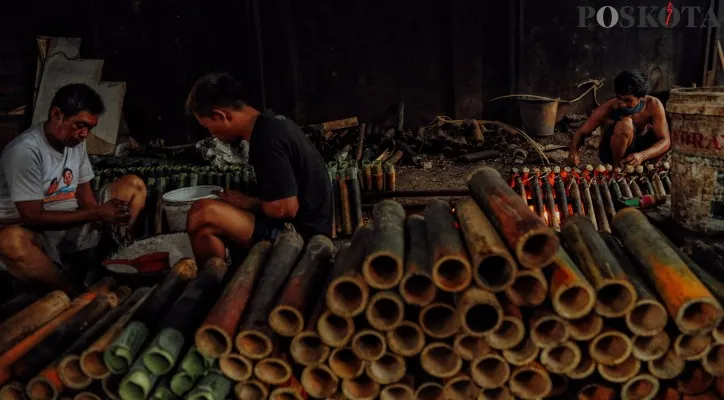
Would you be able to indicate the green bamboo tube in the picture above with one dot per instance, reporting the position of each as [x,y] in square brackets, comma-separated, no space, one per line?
[213,386]
[193,179]
[138,383]
[192,367]
[236,180]
[162,391]
[175,181]
[183,180]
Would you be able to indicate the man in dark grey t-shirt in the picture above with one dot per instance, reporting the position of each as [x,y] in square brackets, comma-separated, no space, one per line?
[293,185]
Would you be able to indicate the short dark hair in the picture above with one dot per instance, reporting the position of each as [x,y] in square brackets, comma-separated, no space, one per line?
[631,82]
[213,91]
[77,97]
[67,170]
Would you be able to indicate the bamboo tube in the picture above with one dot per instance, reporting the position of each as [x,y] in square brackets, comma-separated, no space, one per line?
[439,320]
[635,188]
[177,327]
[383,266]
[440,360]
[236,367]
[345,210]
[625,188]
[533,243]
[648,316]
[640,387]
[287,317]
[460,386]
[469,346]
[522,354]
[429,391]
[379,175]
[693,380]
[615,190]
[719,386]
[211,387]
[110,386]
[559,385]
[309,348]
[285,393]
[511,330]
[360,388]
[46,385]
[32,317]
[192,367]
[138,383]
[585,368]
[12,391]
[622,372]
[561,358]
[385,311]
[335,331]
[529,288]
[615,295]
[537,195]
[347,294]
[647,348]
[397,391]
[345,363]
[86,396]
[214,337]
[273,370]
[369,345]
[585,328]
[607,200]
[251,390]
[575,197]
[355,197]
[571,294]
[319,381]
[390,178]
[490,371]
[554,219]
[91,359]
[692,348]
[668,366]
[120,354]
[162,391]
[694,308]
[416,286]
[501,393]
[17,304]
[588,202]
[388,369]
[494,268]
[531,381]
[479,310]
[406,339]
[451,270]
[595,391]
[713,361]
[546,328]
[610,347]
[559,189]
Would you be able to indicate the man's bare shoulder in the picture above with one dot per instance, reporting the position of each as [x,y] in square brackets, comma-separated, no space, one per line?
[654,103]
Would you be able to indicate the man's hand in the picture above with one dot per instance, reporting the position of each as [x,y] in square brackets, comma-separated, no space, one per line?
[574,159]
[634,159]
[114,211]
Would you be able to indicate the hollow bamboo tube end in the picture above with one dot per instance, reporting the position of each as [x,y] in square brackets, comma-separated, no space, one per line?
[345,363]
[480,311]
[522,354]
[537,247]
[273,371]
[417,289]
[713,361]
[622,372]
[693,380]
[531,381]
[571,294]
[92,364]
[668,366]
[360,388]
[236,367]
[40,388]
[251,343]
[335,331]
[585,368]
[71,374]
[383,269]
[648,348]
[440,360]
[285,393]
[347,296]
[319,381]
[548,330]
[596,391]
[469,346]
[429,391]
[397,391]
[610,348]
[561,358]
[692,348]
[585,328]
[390,368]
[490,371]
[286,321]
[308,349]
[452,273]
[439,320]
[460,387]
[501,393]
[407,339]
[251,390]
[369,345]
[529,288]
[12,391]
[640,387]
[647,317]
[508,335]
[699,316]
[213,341]
[385,311]
[495,272]
[615,298]
[560,385]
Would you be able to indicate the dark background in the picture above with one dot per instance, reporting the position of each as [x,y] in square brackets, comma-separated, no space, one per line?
[320,60]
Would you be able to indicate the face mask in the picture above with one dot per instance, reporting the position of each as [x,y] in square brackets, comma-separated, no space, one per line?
[621,112]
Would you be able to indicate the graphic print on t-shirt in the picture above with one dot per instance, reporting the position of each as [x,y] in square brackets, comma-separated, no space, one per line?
[65,190]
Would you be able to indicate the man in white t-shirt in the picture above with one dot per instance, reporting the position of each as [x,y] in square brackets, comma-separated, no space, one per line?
[47,206]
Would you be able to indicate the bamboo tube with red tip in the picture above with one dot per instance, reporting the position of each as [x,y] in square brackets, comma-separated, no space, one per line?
[606,197]
[537,192]
[694,308]
[518,184]
[598,208]
[575,194]
[416,286]
[588,202]
[560,191]
[554,219]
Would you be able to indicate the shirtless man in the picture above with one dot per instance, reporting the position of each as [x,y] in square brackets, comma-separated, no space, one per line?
[634,125]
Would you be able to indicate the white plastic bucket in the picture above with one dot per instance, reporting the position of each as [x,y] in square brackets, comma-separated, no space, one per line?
[177,203]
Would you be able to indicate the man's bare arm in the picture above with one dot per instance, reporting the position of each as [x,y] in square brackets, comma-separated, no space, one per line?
[86,197]
[33,214]
[283,209]
[597,118]
[661,130]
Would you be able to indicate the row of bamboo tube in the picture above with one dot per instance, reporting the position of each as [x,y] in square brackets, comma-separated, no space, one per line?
[479,302]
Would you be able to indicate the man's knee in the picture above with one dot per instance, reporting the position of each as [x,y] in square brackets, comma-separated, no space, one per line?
[624,128]
[16,242]
[202,213]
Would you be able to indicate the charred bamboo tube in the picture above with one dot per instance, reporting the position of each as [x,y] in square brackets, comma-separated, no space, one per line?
[176,329]
[588,202]
[355,197]
[12,391]
[586,327]
[347,293]
[307,348]
[530,382]
[345,363]
[255,338]
[511,330]
[519,187]
[91,360]
[385,311]
[615,190]
[501,393]
[532,242]
[211,387]
[537,195]
[110,386]
[561,198]
[480,312]
[634,187]
[648,348]
[648,316]
[390,177]
[574,195]
[345,207]
[439,320]
[610,347]
[598,208]
[120,354]
[406,339]
[360,388]
[251,390]
[693,380]
[138,383]
[192,367]
[46,385]
[360,141]
[335,331]
[287,317]
[17,304]
[561,358]
[494,268]
[622,372]
[692,347]
[469,347]
[440,360]
[554,218]
[416,286]
[397,391]
[59,341]
[319,381]
[522,354]
[585,368]
[713,361]
[383,266]
[571,294]
[490,371]
[625,188]
[529,288]
[559,385]
[643,386]
[32,317]
[369,345]
[236,367]
[429,391]
[547,329]
[668,366]
[336,216]
[694,308]
[615,294]
[595,391]
[389,369]
[451,270]
[273,370]
[607,200]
